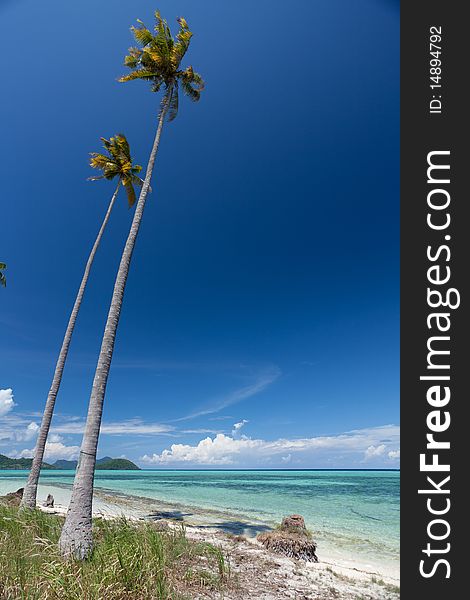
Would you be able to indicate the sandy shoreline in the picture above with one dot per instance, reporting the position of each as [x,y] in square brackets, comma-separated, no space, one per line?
[266,576]
[278,576]
[273,576]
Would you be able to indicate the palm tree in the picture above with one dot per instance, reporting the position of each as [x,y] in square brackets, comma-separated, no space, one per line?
[116,163]
[3,279]
[158,61]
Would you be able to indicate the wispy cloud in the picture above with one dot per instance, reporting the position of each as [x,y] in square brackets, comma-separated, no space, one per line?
[135,426]
[262,381]
[199,430]
[16,427]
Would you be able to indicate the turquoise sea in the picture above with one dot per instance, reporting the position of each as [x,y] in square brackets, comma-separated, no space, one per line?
[352,514]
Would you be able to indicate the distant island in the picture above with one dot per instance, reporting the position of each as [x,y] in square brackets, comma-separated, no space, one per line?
[19,463]
[105,463]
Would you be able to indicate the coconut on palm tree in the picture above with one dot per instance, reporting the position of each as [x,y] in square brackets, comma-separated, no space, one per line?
[3,279]
[116,163]
[158,62]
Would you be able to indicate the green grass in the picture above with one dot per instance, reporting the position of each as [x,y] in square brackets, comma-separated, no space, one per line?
[131,561]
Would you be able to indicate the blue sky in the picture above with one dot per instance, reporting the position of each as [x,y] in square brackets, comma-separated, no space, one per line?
[264,289]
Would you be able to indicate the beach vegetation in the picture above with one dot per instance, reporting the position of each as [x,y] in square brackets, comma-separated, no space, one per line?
[130,561]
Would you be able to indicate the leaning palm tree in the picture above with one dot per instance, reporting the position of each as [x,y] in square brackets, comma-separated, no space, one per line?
[158,62]
[116,163]
[3,279]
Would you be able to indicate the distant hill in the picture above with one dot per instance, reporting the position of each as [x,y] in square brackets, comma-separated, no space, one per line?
[65,464]
[19,463]
[118,464]
[115,464]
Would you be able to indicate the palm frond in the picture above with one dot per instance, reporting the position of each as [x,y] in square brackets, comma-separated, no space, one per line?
[181,46]
[136,180]
[138,74]
[162,41]
[152,60]
[100,161]
[131,197]
[112,172]
[156,86]
[191,83]
[123,145]
[141,34]
[132,59]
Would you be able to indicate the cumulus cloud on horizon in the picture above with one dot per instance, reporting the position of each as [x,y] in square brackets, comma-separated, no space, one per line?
[55,450]
[6,401]
[334,450]
[374,451]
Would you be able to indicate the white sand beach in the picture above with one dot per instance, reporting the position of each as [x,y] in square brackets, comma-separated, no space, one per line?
[260,573]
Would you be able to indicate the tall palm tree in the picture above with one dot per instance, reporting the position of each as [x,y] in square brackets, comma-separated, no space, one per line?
[116,163]
[3,279]
[158,61]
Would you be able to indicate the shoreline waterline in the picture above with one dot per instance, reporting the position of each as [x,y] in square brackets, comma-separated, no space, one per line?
[179,497]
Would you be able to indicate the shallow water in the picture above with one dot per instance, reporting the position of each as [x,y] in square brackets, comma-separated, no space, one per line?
[354,515]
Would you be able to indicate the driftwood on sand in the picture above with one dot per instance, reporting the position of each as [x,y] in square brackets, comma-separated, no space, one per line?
[49,502]
[13,498]
[291,539]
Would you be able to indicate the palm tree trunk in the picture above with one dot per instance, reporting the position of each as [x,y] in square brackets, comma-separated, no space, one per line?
[30,491]
[76,537]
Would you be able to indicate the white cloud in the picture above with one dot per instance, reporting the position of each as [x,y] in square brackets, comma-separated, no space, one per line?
[199,430]
[345,448]
[394,454]
[263,380]
[238,426]
[17,431]
[374,451]
[54,451]
[30,433]
[6,401]
[18,427]
[127,427]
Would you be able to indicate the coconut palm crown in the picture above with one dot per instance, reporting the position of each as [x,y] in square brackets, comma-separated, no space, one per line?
[117,163]
[159,59]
